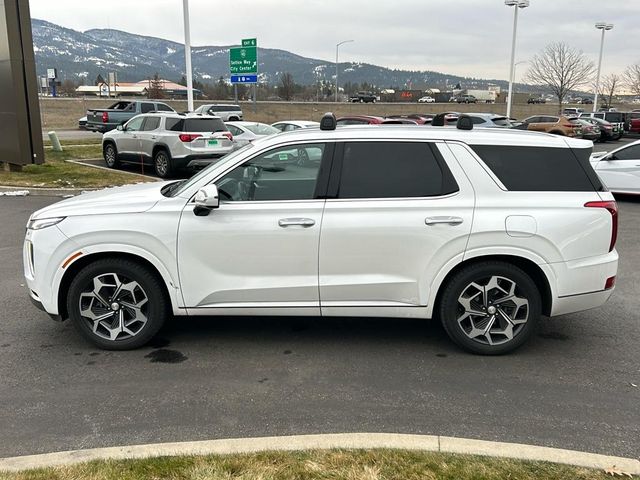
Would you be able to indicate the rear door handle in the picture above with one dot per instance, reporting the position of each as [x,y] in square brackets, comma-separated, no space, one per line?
[445,220]
[301,222]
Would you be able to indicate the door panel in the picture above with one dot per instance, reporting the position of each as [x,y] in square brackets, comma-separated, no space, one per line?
[129,143]
[620,175]
[386,251]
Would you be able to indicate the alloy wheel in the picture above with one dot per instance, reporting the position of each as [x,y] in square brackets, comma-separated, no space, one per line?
[492,311]
[110,156]
[162,164]
[114,307]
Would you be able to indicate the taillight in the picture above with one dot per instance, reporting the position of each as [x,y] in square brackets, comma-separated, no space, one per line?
[612,208]
[610,283]
[229,135]
[105,117]
[188,137]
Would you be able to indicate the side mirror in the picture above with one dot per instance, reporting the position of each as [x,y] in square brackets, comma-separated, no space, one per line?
[120,127]
[206,200]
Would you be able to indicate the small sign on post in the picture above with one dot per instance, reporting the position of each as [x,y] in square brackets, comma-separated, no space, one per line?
[243,65]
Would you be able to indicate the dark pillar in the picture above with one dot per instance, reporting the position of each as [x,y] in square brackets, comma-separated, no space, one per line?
[20,129]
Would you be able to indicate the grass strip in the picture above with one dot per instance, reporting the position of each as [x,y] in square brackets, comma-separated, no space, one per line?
[381,464]
[56,173]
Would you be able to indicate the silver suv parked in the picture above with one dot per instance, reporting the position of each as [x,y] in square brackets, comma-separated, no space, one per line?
[168,141]
[228,113]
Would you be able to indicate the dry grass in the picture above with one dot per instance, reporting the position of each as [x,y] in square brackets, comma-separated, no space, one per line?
[312,465]
[56,172]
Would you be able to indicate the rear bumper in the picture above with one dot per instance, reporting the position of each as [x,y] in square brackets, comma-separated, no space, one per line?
[579,303]
[102,127]
[198,161]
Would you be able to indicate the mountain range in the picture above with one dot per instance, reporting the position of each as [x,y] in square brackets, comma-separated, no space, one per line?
[82,56]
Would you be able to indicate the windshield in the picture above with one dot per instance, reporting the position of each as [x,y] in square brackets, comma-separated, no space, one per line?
[177,188]
[261,129]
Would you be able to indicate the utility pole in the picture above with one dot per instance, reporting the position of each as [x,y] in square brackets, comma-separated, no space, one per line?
[187,55]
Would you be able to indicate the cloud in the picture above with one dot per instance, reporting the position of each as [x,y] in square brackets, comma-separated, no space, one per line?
[466,37]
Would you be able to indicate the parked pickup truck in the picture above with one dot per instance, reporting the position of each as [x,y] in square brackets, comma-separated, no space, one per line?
[363,97]
[103,120]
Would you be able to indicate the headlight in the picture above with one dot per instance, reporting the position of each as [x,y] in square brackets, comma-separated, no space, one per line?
[39,224]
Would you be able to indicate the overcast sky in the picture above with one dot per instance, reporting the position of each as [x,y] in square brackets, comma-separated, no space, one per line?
[464,37]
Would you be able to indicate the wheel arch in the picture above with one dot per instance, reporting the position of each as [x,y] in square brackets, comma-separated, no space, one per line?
[84,260]
[160,146]
[528,266]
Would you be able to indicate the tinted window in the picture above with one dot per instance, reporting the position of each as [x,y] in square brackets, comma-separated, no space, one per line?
[477,120]
[261,129]
[147,107]
[286,173]
[501,121]
[631,153]
[280,126]
[204,125]
[540,169]
[352,122]
[161,107]
[234,130]
[151,123]
[393,169]
[615,117]
[635,114]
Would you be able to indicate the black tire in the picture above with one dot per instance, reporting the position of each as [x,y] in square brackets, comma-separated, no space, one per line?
[162,163]
[156,309]
[110,155]
[450,309]
[233,119]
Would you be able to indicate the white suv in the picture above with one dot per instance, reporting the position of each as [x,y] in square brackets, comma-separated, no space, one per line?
[168,141]
[486,230]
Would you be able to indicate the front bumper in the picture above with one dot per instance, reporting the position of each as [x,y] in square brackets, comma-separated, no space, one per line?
[38,304]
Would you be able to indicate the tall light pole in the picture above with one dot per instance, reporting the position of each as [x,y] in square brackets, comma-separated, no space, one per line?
[187,55]
[604,27]
[518,4]
[337,47]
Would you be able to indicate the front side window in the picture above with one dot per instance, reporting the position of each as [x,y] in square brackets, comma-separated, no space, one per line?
[285,173]
[631,153]
[135,124]
[394,169]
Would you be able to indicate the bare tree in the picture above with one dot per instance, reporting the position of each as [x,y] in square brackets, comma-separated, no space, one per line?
[156,87]
[610,84]
[560,68]
[632,78]
[287,86]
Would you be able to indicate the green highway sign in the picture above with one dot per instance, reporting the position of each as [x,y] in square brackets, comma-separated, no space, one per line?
[249,42]
[243,59]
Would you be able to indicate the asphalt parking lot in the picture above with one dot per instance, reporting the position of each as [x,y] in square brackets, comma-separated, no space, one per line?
[576,386]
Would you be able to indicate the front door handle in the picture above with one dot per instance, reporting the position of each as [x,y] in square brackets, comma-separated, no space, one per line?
[301,222]
[446,220]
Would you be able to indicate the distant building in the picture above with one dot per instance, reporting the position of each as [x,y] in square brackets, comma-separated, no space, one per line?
[137,89]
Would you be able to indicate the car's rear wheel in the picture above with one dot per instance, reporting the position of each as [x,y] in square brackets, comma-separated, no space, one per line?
[162,163]
[490,308]
[110,155]
[117,304]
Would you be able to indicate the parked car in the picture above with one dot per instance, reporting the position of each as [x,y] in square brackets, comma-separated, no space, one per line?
[587,101]
[103,120]
[536,100]
[589,130]
[397,222]
[419,118]
[426,99]
[615,118]
[489,120]
[360,120]
[572,112]
[550,124]
[619,169]
[289,125]
[634,121]
[247,132]
[82,123]
[227,112]
[363,97]
[608,131]
[466,99]
[167,141]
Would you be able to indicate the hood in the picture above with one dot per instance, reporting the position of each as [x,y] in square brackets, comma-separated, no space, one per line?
[127,199]
[595,155]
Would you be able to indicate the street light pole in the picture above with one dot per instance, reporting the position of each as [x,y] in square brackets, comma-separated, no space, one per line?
[604,27]
[187,55]
[517,4]
[337,47]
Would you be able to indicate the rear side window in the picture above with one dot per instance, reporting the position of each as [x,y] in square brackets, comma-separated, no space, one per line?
[147,107]
[151,123]
[540,169]
[161,107]
[393,169]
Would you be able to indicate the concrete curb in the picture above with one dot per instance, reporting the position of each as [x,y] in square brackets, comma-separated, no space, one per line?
[47,192]
[432,443]
[83,163]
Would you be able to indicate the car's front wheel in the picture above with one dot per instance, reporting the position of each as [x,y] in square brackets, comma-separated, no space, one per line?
[117,304]
[490,308]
